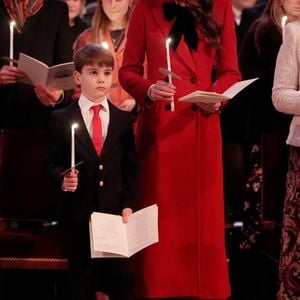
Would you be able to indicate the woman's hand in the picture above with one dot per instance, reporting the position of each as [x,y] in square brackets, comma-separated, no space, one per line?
[127,105]
[48,96]
[10,75]
[76,93]
[162,90]
[209,108]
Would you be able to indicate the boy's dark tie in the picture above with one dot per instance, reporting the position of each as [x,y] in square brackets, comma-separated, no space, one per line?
[97,129]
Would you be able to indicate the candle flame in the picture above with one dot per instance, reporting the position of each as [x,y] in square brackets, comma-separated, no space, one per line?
[105,45]
[283,20]
[168,41]
[74,126]
[12,23]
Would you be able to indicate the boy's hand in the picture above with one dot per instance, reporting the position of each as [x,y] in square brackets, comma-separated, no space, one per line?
[70,181]
[126,213]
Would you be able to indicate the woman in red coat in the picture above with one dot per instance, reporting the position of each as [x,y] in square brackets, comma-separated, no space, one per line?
[180,151]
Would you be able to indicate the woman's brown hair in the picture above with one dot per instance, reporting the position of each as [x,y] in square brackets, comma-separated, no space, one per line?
[100,21]
[271,16]
[204,21]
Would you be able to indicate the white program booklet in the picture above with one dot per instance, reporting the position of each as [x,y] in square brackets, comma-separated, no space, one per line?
[59,77]
[212,97]
[110,237]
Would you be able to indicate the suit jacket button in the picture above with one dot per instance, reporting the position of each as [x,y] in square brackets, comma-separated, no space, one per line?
[193,79]
[101,167]
[101,183]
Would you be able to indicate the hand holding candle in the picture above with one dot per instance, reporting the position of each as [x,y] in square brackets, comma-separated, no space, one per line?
[11,42]
[73,127]
[168,41]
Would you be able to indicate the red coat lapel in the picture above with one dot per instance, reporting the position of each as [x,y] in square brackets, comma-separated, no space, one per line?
[182,50]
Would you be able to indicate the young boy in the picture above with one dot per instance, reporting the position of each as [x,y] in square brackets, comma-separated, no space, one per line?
[104,182]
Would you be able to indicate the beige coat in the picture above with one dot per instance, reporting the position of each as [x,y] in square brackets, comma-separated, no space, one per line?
[286,94]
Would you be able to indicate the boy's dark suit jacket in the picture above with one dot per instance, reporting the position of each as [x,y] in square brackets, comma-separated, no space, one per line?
[106,183]
[116,168]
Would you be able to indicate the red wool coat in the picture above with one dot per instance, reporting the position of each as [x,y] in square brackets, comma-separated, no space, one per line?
[180,156]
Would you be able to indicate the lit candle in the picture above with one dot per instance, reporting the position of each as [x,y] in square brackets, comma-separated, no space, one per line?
[283,22]
[11,42]
[73,127]
[168,41]
[105,45]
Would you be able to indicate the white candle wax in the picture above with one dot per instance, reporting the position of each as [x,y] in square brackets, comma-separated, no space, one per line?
[283,22]
[73,127]
[168,41]
[11,42]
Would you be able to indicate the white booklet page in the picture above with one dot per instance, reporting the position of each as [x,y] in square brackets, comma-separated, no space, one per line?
[110,237]
[212,97]
[59,77]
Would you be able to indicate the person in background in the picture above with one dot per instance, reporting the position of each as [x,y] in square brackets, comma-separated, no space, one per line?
[110,23]
[179,152]
[38,23]
[90,9]
[104,182]
[258,59]
[286,99]
[245,13]
[76,21]
[242,20]
[263,131]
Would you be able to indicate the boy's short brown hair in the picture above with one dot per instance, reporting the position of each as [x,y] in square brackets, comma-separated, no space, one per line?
[92,54]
